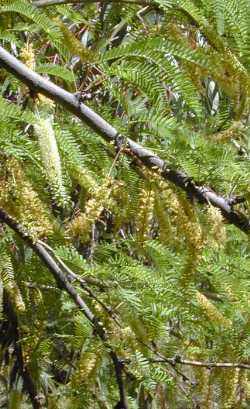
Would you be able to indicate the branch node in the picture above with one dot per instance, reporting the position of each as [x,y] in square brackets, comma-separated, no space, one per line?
[120,142]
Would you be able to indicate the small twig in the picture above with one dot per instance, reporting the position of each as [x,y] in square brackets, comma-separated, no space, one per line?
[141,13]
[36,286]
[171,363]
[241,150]
[81,281]
[179,360]
[119,144]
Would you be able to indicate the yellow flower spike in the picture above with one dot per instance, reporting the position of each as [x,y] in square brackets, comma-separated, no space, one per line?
[43,101]
[218,228]
[19,198]
[145,214]
[27,56]
[101,198]
[50,157]
[211,311]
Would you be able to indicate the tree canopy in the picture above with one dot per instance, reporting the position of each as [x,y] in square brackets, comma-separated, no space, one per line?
[124,204]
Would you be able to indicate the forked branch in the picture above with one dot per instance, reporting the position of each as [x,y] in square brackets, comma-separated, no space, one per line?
[63,283]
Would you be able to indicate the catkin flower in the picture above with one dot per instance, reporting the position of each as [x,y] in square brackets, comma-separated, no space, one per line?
[18,197]
[51,158]
[27,56]
[144,217]
[218,228]
[211,311]
[101,198]
[45,102]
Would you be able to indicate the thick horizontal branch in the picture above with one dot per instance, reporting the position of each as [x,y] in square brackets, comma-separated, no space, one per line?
[46,3]
[70,102]
[178,360]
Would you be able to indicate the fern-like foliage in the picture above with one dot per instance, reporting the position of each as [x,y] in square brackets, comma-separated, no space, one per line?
[167,278]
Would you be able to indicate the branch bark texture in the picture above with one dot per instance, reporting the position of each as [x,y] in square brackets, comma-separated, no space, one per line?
[70,102]
[46,3]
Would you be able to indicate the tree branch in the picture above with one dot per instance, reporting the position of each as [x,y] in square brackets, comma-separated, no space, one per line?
[73,276]
[178,360]
[13,333]
[169,361]
[242,152]
[63,283]
[54,269]
[46,3]
[118,365]
[202,193]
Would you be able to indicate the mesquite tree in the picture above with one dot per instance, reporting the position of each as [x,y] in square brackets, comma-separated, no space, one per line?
[124,204]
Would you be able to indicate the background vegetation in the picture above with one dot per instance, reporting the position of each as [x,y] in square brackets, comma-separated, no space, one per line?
[124,278]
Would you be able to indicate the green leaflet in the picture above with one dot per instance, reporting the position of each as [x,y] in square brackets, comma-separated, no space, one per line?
[56,70]
[11,110]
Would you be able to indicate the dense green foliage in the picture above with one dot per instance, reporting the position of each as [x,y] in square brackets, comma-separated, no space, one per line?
[168,277]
